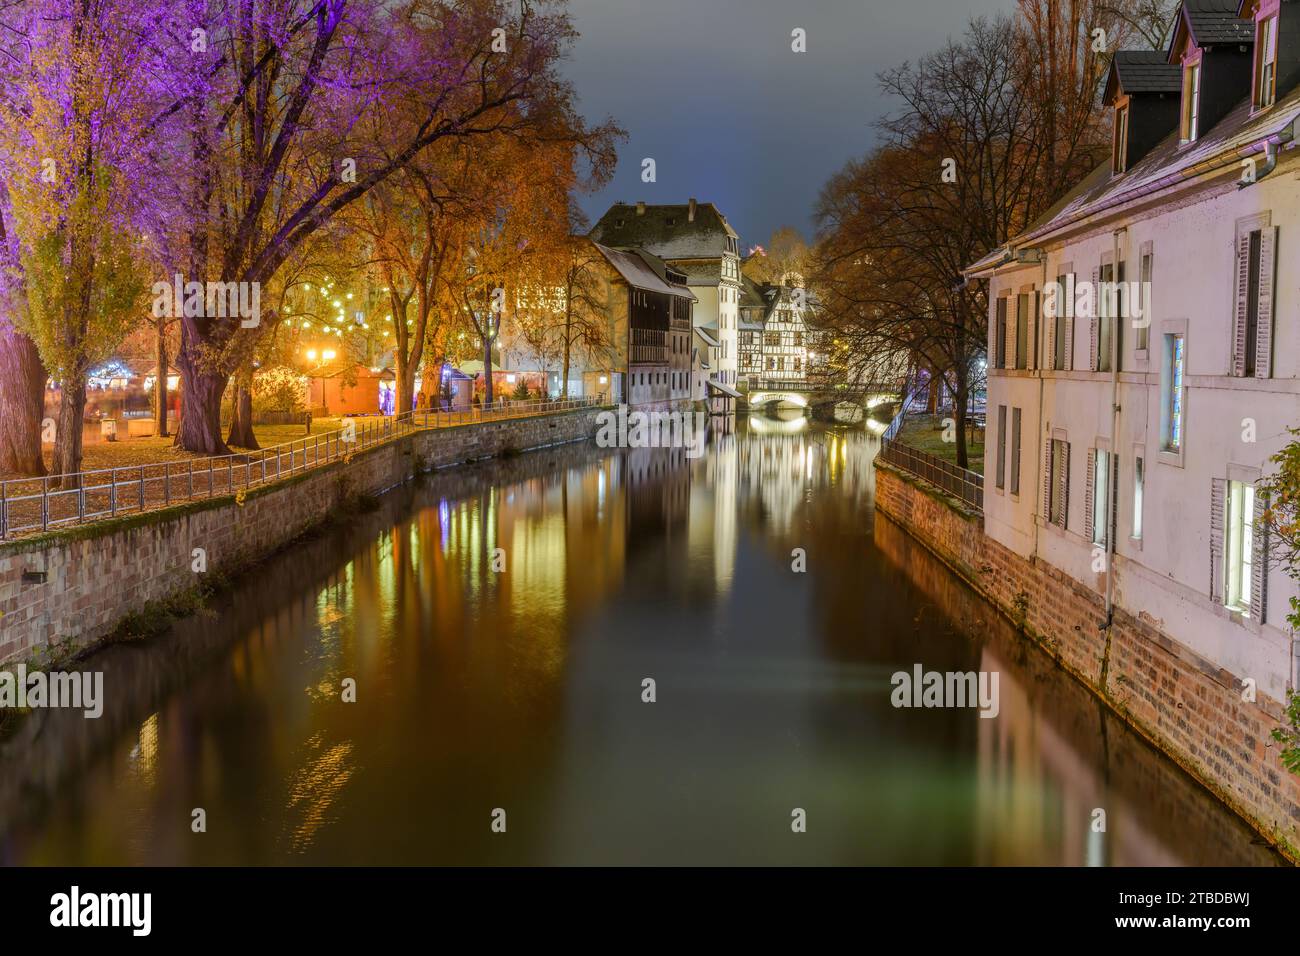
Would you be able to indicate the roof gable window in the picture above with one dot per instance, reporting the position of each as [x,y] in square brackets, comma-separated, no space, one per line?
[1265,85]
[1191,99]
[1119,154]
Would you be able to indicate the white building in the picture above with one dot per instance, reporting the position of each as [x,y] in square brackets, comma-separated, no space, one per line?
[1114,443]
[696,239]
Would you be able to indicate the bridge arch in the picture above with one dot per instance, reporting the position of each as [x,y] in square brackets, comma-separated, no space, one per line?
[763,397]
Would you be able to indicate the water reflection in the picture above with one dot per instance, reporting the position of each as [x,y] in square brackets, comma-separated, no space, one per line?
[497,623]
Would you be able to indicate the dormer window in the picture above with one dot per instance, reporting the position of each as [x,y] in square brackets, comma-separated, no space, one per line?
[1265,62]
[1191,100]
[1119,158]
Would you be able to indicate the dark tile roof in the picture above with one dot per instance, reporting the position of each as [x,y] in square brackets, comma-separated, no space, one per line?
[1144,71]
[1216,21]
[666,230]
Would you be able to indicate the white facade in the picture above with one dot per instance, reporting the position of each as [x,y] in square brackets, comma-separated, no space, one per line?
[1174,548]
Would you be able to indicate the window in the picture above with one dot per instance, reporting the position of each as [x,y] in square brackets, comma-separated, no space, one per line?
[1015,451]
[1100,495]
[1059,337]
[1119,159]
[1172,398]
[1252,348]
[1022,330]
[1105,318]
[1139,476]
[1000,335]
[1238,545]
[1252,301]
[1266,62]
[1143,337]
[1059,489]
[1191,101]
[1002,447]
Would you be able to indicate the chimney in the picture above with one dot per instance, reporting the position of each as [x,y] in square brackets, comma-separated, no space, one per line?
[640,209]
[690,210]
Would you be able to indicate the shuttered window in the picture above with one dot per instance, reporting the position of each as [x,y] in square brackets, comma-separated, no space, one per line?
[1142,327]
[1060,337]
[1002,447]
[1237,545]
[1000,334]
[1059,482]
[1022,330]
[1252,343]
[1015,451]
[1101,496]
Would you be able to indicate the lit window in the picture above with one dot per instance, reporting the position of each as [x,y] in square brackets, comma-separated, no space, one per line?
[1100,495]
[1239,534]
[1139,476]
[1172,400]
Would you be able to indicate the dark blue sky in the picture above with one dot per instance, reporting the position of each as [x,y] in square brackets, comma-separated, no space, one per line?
[711,90]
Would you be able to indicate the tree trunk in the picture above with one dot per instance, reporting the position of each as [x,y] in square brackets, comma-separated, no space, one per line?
[963,459]
[22,404]
[200,427]
[568,350]
[160,380]
[241,417]
[487,368]
[67,440]
[405,385]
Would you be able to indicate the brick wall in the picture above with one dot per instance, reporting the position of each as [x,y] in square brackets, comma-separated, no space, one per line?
[95,576]
[1188,707]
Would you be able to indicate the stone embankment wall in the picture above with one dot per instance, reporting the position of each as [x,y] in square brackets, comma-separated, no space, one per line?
[63,591]
[1188,707]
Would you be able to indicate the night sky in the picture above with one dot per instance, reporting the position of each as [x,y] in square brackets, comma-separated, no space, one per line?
[711,90]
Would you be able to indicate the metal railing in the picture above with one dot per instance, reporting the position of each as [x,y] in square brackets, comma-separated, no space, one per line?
[959,482]
[38,504]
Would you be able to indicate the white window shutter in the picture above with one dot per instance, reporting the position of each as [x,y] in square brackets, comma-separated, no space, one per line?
[1049,336]
[1013,310]
[1239,343]
[1263,343]
[1047,479]
[1063,478]
[1112,500]
[1259,562]
[1031,350]
[1218,495]
[1088,516]
[1092,324]
[1069,328]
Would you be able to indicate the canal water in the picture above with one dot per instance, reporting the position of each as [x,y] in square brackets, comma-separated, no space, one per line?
[517,696]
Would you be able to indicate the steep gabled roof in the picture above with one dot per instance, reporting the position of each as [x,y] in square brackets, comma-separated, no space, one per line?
[1210,23]
[639,273]
[666,230]
[1135,72]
